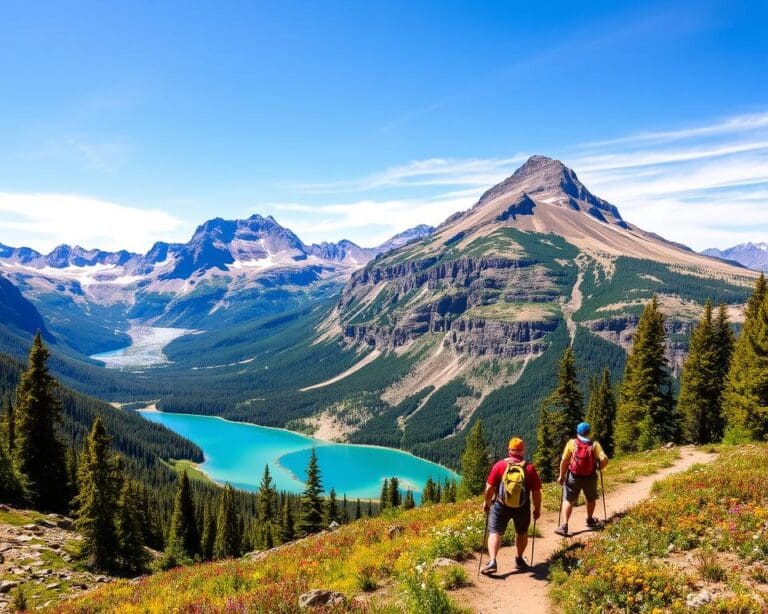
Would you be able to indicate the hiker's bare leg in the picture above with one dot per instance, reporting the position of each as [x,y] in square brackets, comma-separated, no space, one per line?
[494,543]
[591,508]
[567,509]
[521,540]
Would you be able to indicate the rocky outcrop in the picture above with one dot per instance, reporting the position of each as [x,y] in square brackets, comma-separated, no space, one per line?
[620,330]
[454,288]
[500,339]
[36,557]
[428,272]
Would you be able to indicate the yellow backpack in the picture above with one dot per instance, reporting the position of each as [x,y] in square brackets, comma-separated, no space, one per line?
[512,490]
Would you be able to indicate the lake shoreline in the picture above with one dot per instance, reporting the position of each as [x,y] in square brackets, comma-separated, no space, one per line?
[237,454]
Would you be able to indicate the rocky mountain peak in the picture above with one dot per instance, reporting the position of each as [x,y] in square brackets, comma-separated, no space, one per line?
[549,181]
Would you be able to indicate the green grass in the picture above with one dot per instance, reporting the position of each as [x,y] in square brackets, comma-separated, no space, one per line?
[635,279]
[193,473]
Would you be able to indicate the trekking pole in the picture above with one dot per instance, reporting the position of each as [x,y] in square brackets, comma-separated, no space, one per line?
[533,540]
[602,487]
[562,498]
[482,546]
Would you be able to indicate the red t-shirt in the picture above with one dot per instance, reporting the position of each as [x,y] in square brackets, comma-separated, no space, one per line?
[532,479]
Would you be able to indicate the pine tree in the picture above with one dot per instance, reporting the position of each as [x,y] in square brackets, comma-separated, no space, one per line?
[561,411]
[428,494]
[311,520]
[344,510]
[450,491]
[475,462]
[384,496]
[703,379]
[228,530]
[409,503]
[209,533]
[183,537]
[394,492]
[438,492]
[745,404]
[287,532]
[267,498]
[38,453]
[369,512]
[548,443]
[72,463]
[97,502]
[645,415]
[11,487]
[10,423]
[132,554]
[358,511]
[331,513]
[601,411]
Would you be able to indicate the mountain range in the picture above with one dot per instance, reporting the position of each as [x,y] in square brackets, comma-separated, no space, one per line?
[751,255]
[405,345]
[229,271]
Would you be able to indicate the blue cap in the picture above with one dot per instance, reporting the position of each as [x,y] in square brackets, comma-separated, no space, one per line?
[583,428]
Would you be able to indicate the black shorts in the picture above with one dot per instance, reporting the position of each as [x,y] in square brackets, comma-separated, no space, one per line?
[500,515]
[576,484]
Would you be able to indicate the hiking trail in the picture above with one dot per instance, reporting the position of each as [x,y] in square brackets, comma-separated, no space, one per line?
[510,591]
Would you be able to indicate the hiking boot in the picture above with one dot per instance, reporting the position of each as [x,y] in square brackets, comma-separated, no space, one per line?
[562,530]
[594,523]
[489,568]
[520,564]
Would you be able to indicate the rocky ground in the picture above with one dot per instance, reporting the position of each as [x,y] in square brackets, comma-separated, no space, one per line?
[38,557]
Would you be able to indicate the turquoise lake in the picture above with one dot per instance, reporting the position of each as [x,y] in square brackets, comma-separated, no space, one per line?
[236,452]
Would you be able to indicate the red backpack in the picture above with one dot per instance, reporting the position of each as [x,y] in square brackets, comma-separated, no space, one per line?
[583,459]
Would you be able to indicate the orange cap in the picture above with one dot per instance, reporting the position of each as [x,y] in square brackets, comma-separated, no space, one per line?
[516,444]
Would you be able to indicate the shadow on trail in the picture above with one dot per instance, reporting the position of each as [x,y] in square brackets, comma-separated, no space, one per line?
[539,572]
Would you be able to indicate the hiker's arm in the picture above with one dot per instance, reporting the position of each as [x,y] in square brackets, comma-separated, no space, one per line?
[536,495]
[603,463]
[488,499]
[563,470]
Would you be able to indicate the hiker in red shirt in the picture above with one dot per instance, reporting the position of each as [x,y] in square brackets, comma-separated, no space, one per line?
[511,485]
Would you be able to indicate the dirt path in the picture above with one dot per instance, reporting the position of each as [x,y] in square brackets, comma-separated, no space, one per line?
[510,592]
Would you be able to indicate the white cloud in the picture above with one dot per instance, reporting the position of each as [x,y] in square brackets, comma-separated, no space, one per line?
[42,221]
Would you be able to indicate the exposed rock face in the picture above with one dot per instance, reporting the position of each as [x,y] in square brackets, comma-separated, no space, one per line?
[621,329]
[34,556]
[543,178]
[454,288]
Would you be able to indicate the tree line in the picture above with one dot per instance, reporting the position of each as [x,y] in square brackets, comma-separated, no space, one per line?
[723,389]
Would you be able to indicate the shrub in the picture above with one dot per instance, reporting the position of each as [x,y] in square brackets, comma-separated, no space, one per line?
[454,577]
[366,579]
[424,595]
[709,568]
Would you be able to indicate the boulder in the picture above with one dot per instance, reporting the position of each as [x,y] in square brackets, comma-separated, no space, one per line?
[32,528]
[318,597]
[396,530]
[7,585]
[696,600]
[444,562]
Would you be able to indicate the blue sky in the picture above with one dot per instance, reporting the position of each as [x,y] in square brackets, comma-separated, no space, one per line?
[125,123]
